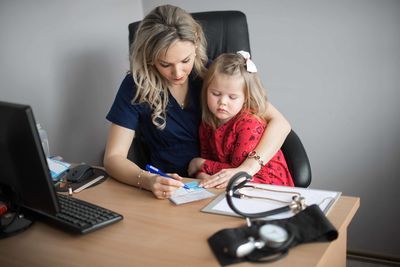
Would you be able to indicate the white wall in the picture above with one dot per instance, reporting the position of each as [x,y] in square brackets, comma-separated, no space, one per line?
[332,67]
[66,59]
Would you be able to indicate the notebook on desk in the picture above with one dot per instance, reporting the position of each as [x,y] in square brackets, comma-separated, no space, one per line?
[25,179]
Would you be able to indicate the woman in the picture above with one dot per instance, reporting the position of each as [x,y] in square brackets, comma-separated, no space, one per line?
[161,97]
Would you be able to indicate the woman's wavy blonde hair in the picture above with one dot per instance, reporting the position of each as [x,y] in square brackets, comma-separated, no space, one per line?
[231,64]
[163,26]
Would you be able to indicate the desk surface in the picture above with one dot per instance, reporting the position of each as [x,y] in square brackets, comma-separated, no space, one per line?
[153,233]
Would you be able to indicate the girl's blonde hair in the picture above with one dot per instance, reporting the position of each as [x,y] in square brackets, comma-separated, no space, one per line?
[163,26]
[255,101]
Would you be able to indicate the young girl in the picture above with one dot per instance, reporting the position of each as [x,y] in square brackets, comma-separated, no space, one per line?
[234,119]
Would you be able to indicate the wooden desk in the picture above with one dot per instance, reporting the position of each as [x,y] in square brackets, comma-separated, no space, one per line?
[156,233]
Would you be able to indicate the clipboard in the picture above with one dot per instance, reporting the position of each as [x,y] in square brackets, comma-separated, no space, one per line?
[323,198]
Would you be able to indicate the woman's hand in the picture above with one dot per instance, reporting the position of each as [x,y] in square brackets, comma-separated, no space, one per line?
[163,187]
[195,166]
[220,179]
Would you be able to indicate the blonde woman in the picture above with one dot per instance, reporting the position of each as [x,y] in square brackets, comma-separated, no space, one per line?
[161,97]
[234,118]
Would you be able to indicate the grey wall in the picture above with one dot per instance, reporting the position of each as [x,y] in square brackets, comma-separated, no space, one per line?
[330,66]
[66,59]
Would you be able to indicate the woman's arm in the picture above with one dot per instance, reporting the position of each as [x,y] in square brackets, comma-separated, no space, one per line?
[271,141]
[122,169]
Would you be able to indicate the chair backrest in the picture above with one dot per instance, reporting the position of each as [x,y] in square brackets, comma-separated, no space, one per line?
[297,160]
[227,31]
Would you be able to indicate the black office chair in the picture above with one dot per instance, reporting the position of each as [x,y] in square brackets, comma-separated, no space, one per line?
[226,31]
[297,160]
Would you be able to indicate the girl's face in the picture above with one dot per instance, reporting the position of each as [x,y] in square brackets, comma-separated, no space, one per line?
[225,96]
[176,62]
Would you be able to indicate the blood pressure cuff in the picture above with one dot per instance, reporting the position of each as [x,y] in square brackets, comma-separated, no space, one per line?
[309,225]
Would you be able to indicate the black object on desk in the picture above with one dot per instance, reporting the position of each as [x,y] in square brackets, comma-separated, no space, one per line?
[25,173]
[79,173]
[67,182]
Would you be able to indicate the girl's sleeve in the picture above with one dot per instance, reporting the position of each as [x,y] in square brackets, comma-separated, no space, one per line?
[248,133]
[205,151]
[209,166]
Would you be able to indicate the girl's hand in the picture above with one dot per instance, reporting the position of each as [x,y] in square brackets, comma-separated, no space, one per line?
[220,179]
[163,187]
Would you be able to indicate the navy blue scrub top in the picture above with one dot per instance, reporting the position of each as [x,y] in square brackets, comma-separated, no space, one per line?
[173,147]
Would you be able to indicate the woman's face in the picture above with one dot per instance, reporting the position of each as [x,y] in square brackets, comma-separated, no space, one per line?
[176,62]
[225,96]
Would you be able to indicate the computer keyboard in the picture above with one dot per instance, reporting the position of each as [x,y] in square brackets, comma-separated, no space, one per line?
[82,217]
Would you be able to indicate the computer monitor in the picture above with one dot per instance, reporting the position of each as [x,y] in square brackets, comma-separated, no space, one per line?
[24,174]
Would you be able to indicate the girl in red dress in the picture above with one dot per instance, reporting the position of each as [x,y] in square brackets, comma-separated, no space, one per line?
[234,119]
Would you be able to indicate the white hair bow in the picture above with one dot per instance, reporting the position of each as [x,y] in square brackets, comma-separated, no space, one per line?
[250,66]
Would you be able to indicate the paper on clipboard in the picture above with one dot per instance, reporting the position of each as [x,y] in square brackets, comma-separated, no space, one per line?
[325,199]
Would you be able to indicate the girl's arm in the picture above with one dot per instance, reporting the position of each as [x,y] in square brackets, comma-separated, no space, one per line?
[248,132]
[122,169]
[271,141]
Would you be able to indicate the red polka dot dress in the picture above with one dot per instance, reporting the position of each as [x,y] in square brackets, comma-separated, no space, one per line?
[229,145]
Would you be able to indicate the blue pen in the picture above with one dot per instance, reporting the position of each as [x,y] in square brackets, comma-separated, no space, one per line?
[154,170]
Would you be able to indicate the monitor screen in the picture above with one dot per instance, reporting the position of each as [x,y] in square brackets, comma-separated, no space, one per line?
[24,174]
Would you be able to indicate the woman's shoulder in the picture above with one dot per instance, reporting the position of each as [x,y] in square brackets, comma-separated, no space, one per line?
[127,89]
[128,84]
[126,93]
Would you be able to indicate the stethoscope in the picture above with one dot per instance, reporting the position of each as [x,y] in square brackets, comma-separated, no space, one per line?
[271,237]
